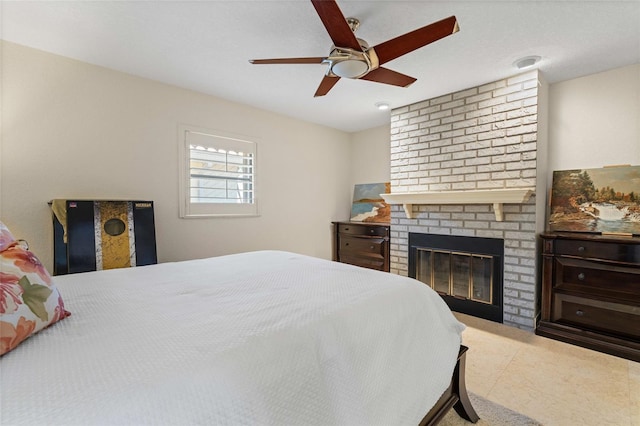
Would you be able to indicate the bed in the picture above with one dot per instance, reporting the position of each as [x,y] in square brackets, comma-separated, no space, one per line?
[266,337]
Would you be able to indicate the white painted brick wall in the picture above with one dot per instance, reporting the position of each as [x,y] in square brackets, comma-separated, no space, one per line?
[479,138]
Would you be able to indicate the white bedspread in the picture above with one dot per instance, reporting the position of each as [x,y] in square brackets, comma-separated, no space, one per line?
[255,338]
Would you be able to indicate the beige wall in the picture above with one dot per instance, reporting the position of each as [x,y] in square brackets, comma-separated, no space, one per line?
[370,155]
[594,120]
[74,130]
[70,129]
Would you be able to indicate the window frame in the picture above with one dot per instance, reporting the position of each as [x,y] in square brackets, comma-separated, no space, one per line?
[208,137]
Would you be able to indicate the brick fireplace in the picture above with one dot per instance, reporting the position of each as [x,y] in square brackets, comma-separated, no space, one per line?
[481,140]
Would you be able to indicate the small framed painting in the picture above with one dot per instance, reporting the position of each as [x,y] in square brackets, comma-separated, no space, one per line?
[604,200]
[368,205]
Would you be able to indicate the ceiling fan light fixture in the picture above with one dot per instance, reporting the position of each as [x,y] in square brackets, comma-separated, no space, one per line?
[526,62]
[349,68]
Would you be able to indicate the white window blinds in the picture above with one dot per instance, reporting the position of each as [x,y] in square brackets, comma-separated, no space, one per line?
[218,174]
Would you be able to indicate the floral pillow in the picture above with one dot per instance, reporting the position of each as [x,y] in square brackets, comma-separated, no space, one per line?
[6,239]
[29,301]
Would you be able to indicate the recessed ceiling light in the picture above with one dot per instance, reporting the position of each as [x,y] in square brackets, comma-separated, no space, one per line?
[382,106]
[526,62]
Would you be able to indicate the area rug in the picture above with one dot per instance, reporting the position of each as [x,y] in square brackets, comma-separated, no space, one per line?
[491,414]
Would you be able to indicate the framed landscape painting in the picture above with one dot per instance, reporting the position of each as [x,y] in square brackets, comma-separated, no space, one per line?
[604,200]
[368,205]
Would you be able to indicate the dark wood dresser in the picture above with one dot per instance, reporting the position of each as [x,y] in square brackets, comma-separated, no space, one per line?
[362,244]
[591,292]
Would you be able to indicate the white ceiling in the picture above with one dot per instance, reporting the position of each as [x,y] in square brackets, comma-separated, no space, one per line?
[205,46]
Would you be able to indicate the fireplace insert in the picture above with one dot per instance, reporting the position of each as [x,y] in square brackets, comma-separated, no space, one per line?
[465,271]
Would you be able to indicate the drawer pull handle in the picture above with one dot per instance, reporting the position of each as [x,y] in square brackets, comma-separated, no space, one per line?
[581,276]
[372,247]
[581,249]
[372,231]
[579,313]
[346,229]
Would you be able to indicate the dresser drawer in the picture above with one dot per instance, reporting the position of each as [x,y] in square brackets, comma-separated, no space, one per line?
[617,252]
[615,318]
[598,278]
[370,246]
[363,230]
[365,262]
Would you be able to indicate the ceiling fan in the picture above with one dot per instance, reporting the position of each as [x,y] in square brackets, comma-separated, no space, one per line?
[352,57]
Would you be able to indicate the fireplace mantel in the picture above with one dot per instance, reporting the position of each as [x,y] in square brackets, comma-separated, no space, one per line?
[497,197]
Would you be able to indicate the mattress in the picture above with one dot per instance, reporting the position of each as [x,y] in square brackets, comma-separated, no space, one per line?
[265,337]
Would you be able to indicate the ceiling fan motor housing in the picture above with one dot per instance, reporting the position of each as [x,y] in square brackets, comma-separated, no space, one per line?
[349,63]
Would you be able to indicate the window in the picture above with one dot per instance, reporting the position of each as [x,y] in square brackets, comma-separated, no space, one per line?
[217,173]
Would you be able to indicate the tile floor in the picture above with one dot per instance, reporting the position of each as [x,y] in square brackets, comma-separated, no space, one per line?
[553,382]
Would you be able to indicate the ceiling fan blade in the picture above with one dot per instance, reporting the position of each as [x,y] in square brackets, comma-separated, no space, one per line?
[288,61]
[336,24]
[387,76]
[396,47]
[325,85]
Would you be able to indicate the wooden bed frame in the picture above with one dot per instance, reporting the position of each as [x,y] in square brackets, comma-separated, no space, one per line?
[455,396]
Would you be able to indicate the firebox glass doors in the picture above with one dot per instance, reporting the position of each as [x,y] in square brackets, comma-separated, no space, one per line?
[461,275]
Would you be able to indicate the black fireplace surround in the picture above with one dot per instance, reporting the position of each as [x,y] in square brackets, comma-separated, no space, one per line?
[468,245]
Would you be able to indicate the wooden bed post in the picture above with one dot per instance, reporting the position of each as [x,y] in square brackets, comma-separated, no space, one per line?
[463,407]
[455,396]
